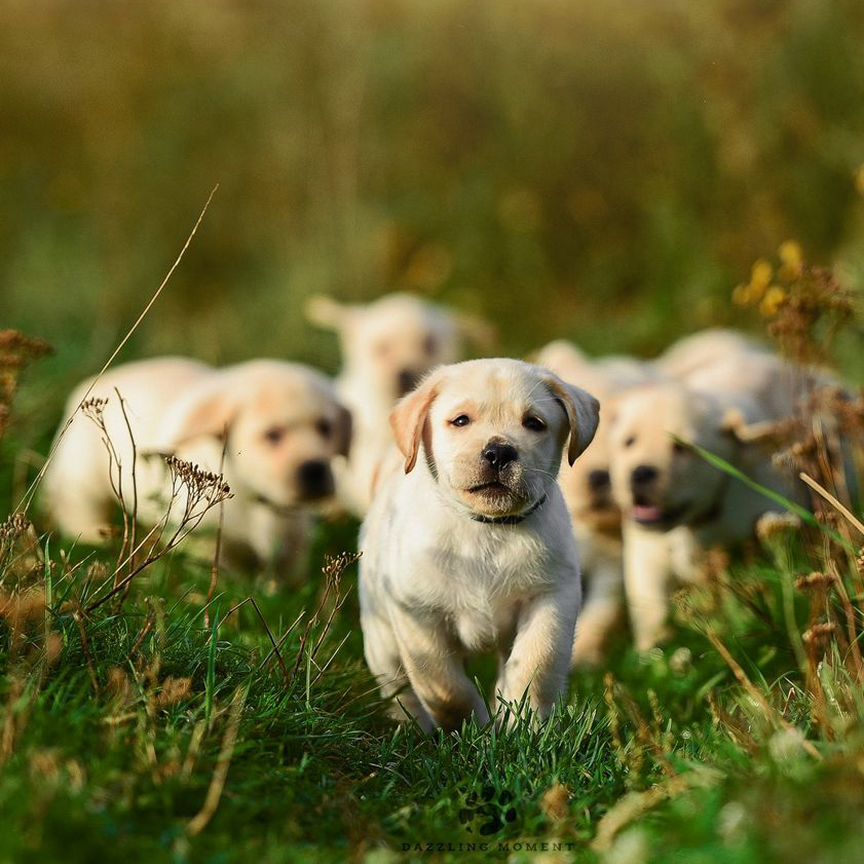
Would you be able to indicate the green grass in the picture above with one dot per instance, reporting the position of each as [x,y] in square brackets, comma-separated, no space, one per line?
[97,765]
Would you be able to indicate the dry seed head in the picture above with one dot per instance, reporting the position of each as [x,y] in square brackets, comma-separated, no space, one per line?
[14,527]
[119,685]
[818,632]
[200,484]
[776,525]
[53,648]
[555,802]
[814,581]
[19,610]
[94,408]
[173,690]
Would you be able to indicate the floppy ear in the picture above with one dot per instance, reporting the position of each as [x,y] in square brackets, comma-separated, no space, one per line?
[344,431]
[210,415]
[325,312]
[408,418]
[583,414]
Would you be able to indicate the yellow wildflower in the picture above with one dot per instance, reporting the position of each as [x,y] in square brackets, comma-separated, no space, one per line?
[792,261]
[774,298]
[743,295]
[761,275]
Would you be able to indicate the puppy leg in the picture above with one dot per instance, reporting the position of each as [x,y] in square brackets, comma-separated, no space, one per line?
[539,661]
[646,583]
[602,612]
[382,657]
[436,673]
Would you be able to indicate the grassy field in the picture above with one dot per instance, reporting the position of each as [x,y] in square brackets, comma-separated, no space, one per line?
[183,720]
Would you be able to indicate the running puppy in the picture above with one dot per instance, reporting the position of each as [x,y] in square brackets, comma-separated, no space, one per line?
[469,547]
[387,347]
[587,489]
[279,425]
[675,505]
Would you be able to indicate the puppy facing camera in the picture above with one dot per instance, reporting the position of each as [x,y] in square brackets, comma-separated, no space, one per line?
[270,428]
[467,546]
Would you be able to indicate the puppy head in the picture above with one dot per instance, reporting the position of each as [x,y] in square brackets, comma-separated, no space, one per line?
[391,343]
[492,431]
[283,427]
[586,484]
[658,480]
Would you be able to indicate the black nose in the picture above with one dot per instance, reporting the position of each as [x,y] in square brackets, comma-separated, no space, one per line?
[407,380]
[316,479]
[643,474]
[598,480]
[500,455]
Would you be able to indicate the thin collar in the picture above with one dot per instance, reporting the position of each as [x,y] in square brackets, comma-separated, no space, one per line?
[509,520]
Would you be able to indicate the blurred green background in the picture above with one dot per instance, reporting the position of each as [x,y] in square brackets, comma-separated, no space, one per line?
[604,171]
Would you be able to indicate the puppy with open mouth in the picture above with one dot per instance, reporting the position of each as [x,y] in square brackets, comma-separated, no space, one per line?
[468,547]
[675,505]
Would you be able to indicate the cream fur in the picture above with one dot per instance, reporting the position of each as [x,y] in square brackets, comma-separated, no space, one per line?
[436,585]
[593,512]
[278,417]
[384,343]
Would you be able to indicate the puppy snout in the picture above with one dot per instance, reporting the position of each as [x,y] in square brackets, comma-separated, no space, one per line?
[499,455]
[315,479]
[407,380]
[643,475]
[599,480]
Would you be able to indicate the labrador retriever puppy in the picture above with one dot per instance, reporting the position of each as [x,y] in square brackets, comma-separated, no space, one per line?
[702,350]
[675,505]
[387,346]
[468,547]
[270,428]
[587,489]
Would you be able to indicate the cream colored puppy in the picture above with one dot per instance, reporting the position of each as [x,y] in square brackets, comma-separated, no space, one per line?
[387,347]
[587,489]
[675,505]
[469,548]
[279,423]
[702,350]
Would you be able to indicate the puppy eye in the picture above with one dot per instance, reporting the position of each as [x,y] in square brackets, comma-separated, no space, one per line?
[274,434]
[461,420]
[629,442]
[324,427]
[430,345]
[680,447]
[535,424]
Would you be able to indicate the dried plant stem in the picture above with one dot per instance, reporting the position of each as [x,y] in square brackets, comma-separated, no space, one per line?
[220,774]
[847,514]
[29,495]
[754,693]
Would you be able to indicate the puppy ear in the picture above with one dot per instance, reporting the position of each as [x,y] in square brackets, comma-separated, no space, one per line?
[327,313]
[344,431]
[408,418]
[211,415]
[583,414]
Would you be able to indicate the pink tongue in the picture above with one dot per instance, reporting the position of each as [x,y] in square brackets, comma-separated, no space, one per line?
[647,513]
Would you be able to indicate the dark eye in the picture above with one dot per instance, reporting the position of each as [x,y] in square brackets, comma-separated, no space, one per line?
[680,447]
[430,345]
[535,424]
[274,435]
[324,427]
[461,420]
[629,442]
